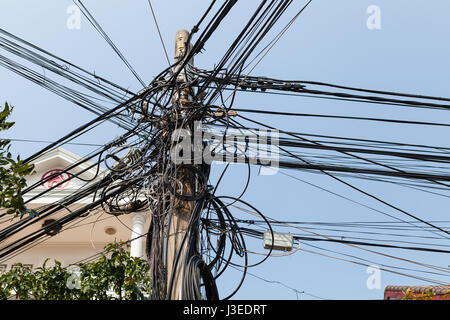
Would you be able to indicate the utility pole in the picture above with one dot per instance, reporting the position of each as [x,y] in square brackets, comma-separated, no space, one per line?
[182,209]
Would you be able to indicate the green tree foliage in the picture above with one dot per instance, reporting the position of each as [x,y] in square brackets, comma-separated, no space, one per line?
[12,172]
[114,276]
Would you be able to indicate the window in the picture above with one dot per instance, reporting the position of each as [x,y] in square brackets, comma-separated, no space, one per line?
[17,265]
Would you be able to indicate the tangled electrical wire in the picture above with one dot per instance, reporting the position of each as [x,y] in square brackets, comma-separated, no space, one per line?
[195,235]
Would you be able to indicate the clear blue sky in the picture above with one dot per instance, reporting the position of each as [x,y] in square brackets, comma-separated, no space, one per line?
[329,42]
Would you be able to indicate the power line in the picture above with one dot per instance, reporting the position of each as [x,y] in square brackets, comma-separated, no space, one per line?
[49,142]
[97,27]
[159,32]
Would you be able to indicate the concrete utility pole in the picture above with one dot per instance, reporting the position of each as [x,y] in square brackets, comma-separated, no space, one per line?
[182,209]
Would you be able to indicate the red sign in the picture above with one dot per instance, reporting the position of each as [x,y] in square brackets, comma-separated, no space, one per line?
[58,176]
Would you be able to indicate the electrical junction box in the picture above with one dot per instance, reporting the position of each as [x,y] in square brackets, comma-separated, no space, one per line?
[281,241]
